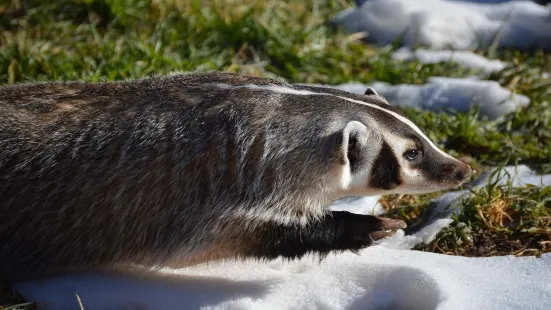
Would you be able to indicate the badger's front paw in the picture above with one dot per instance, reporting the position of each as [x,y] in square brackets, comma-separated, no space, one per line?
[358,231]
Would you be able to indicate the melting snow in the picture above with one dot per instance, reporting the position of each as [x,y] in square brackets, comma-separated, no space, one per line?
[443,94]
[467,59]
[378,278]
[444,24]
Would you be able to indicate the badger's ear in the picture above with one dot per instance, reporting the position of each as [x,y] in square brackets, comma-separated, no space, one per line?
[356,137]
[371,92]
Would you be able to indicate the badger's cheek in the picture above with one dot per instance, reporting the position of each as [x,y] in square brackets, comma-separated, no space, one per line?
[414,182]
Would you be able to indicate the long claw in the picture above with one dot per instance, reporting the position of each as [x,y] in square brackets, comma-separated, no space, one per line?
[388,224]
[382,234]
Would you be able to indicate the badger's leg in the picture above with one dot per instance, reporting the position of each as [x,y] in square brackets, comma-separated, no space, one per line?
[338,231]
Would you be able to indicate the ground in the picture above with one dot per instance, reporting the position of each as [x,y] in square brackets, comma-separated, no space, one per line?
[109,40]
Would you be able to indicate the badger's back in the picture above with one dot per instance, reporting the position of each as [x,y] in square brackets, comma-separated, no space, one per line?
[136,171]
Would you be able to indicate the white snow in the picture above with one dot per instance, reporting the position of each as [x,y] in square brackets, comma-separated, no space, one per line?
[444,24]
[467,59]
[385,276]
[379,278]
[443,94]
[423,236]
[362,205]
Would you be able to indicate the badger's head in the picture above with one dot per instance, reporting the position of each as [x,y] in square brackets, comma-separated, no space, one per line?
[383,152]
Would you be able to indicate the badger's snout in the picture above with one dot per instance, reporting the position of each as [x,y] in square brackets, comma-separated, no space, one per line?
[455,172]
[463,171]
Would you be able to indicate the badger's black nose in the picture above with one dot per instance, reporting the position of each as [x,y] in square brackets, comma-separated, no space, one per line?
[463,172]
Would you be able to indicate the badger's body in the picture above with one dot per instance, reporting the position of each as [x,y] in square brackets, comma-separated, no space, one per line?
[181,169]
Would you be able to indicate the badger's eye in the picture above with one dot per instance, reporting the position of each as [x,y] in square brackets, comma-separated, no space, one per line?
[412,154]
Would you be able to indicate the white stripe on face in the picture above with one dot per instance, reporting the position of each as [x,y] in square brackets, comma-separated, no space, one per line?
[286,90]
[403,120]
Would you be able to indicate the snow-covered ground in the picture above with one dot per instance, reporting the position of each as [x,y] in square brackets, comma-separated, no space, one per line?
[378,278]
[386,276]
[445,24]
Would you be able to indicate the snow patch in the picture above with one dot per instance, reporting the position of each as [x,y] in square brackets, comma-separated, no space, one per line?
[447,94]
[442,24]
[423,236]
[519,176]
[360,205]
[467,59]
[378,278]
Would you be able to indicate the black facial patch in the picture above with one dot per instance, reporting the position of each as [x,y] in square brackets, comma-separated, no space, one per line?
[385,173]
[354,151]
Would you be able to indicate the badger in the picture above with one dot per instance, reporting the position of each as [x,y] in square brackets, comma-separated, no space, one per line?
[185,168]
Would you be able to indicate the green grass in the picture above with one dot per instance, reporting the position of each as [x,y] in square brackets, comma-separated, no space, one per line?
[111,40]
[495,220]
